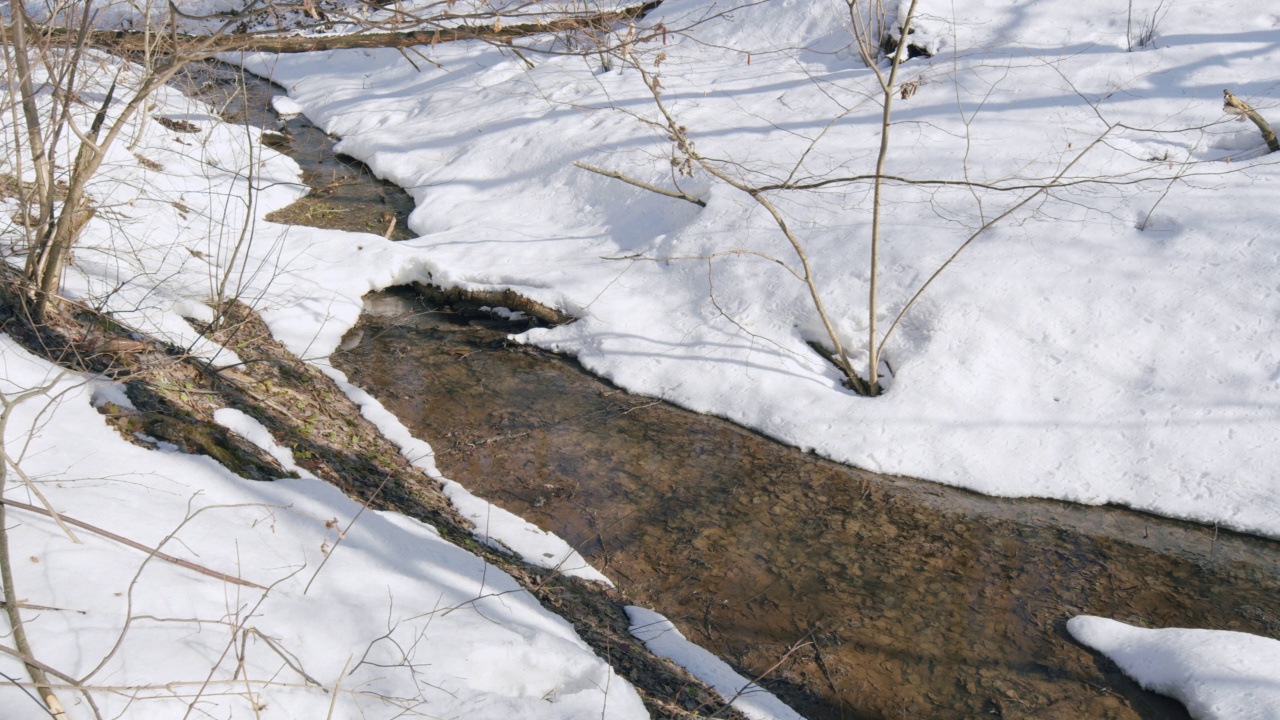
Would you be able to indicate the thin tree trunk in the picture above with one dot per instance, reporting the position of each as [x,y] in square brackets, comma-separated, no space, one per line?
[35,137]
[12,607]
[76,211]
[886,86]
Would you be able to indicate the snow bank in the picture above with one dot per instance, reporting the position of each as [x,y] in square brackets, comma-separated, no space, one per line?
[664,640]
[1066,353]
[1218,675]
[303,613]
[372,618]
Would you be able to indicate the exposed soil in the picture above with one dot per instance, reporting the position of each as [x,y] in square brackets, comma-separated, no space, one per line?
[910,600]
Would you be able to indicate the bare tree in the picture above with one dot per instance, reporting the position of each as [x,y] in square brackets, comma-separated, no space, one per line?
[884,55]
[65,116]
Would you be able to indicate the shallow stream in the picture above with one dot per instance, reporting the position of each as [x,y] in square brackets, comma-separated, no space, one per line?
[901,598]
[855,595]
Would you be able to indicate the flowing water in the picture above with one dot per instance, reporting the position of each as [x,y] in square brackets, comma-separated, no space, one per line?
[854,595]
[882,597]
[344,194]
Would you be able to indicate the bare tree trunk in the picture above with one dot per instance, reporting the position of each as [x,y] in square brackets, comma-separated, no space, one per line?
[11,604]
[43,185]
[887,90]
[76,211]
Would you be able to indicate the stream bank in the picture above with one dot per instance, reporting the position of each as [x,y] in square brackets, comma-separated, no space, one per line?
[902,598]
[175,395]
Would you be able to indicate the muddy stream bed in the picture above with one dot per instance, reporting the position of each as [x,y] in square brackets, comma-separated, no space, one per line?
[857,595]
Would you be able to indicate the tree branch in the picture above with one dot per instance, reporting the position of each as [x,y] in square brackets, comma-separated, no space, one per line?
[1233,105]
[135,545]
[141,40]
[679,195]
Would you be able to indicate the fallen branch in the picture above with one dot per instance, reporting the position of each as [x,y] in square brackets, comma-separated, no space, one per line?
[135,545]
[151,41]
[679,195]
[1233,105]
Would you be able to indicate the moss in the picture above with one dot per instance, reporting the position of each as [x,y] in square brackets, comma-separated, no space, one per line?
[204,438]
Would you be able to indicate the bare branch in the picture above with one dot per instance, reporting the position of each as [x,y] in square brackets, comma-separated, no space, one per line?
[1233,105]
[135,545]
[679,195]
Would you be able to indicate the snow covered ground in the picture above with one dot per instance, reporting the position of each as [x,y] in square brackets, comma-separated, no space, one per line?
[313,615]
[1114,341]
[332,619]
[1066,353]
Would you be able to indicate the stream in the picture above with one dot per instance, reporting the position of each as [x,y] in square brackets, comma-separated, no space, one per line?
[855,595]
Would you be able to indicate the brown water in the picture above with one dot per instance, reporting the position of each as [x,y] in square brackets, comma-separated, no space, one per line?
[857,595]
[903,599]
[344,195]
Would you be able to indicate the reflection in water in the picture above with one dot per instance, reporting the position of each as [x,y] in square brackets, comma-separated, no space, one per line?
[906,599]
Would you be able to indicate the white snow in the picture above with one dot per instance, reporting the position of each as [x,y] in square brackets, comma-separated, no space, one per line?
[664,640]
[255,432]
[1217,674]
[346,613]
[1065,353]
[285,106]
[380,614]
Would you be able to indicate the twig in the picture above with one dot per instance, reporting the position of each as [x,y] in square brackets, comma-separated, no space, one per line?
[30,606]
[11,606]
[136,545]
[337,687]
[679,195]
[344,532]
[18,684]
[745,688]
[289,659]
[982,230]
[48,507]
[70,682]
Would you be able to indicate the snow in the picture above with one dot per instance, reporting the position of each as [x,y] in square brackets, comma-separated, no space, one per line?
[1112,341]
[664,640]
[1218,675]
[286,107]
[1064,354]
[322,609]
[240,423]
[380,614]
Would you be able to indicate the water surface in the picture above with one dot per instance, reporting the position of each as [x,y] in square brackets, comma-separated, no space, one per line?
[882,597]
